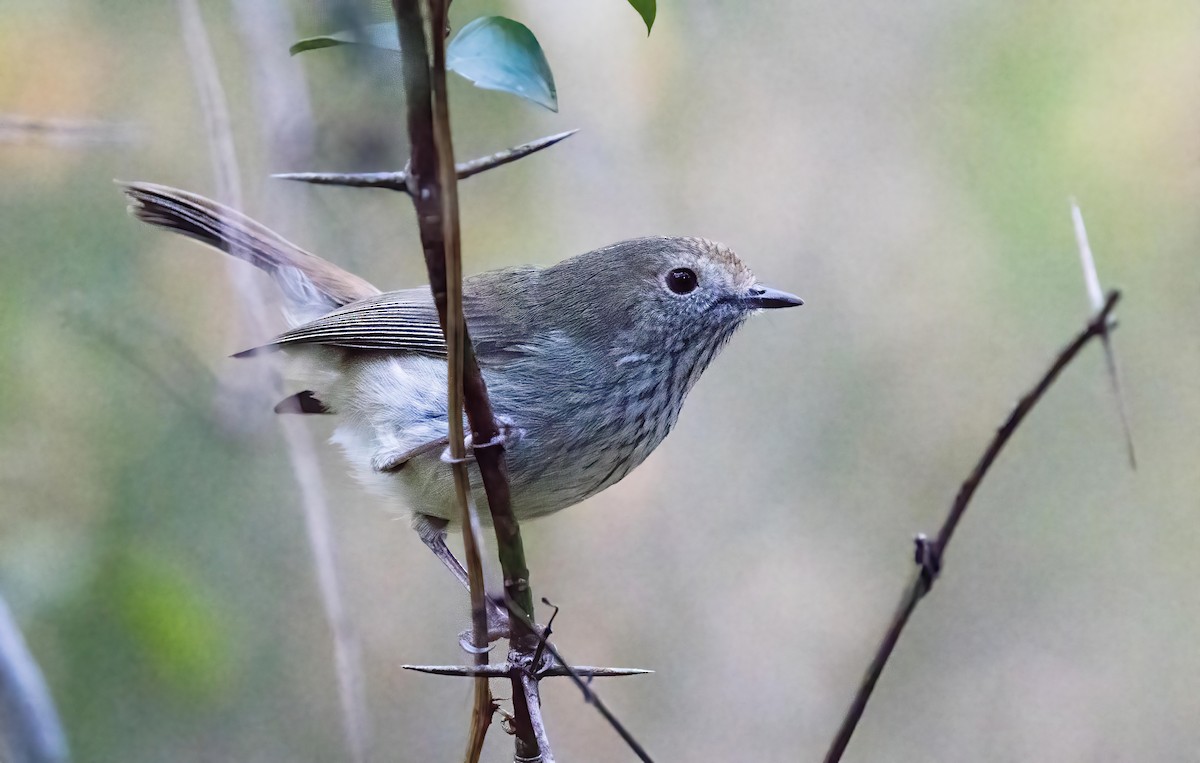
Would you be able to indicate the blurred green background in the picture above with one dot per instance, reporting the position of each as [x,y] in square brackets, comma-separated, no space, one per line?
[905,167]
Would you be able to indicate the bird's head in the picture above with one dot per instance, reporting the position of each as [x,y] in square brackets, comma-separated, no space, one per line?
[646,295]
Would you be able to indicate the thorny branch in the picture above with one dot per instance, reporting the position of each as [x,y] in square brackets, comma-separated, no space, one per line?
[430,180]
[529,669]
[398,181]
[585,672]
[1096,298]
[433,186]
[434,192]
[929,553]
[582,679]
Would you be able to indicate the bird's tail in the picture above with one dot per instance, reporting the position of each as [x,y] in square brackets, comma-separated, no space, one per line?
[311,285]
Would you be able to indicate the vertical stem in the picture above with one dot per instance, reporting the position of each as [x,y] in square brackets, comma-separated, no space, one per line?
[533,706]
[301,454]
[285,123]
[435,197]
[432,186]
[493,466]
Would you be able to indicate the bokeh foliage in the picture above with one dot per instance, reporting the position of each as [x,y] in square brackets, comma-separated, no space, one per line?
[903,167]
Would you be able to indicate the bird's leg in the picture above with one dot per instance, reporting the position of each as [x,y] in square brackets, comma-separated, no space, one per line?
[432,531]
[393,461]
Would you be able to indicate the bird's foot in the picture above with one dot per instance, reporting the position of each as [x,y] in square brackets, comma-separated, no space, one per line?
[509,434]
[499,626]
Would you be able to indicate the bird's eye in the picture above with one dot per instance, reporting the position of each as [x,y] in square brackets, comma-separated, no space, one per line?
[681,280]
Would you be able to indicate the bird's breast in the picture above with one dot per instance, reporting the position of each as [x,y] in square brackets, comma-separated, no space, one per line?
[585,430]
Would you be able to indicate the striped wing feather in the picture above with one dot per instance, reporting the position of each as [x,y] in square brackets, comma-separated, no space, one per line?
[398,321]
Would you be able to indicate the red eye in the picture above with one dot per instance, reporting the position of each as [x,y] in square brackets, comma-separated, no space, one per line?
[681,280]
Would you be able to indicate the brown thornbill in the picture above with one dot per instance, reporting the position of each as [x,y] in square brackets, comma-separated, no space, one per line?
[587,361]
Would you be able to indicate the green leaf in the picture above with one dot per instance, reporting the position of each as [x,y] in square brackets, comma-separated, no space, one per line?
[497,53]
[493,52]
[382,35]
[647,9]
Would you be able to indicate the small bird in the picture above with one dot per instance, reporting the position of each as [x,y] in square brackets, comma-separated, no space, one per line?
[587,361]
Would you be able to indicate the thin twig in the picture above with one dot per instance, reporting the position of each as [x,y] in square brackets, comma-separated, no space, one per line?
[537,654]
[486,434]
[931,553]
[436,201]
[1096,297]
[578,678]
[214,108]
[503,670]
[30,730]
[301,452]
[347,654]
[286,126]
[533,705]
[398,181]
[18,128]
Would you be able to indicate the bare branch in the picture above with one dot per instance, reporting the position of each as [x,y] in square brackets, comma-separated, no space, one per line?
[503,670]
[536,659]
[398,181]
[18,128]
[30,730]
[930,553]
[1095,296]
[577,678]
[435,196]
[281,101]
[213,106]
[301,452]
[533,704]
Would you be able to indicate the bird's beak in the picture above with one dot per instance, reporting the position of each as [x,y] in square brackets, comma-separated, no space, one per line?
[762,297]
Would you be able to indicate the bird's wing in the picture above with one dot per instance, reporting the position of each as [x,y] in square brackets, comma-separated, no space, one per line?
[398,321]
